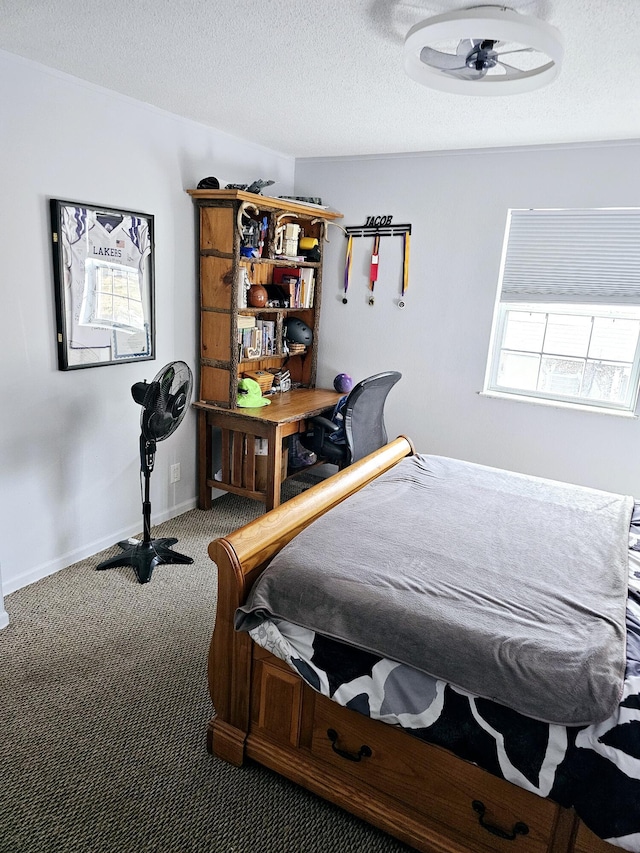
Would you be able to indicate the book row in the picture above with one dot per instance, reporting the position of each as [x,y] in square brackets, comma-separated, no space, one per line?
[256,337]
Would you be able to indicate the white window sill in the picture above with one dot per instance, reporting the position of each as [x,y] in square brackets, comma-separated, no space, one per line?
[557,404]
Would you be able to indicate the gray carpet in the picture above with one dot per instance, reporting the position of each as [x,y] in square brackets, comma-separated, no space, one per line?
[103,713]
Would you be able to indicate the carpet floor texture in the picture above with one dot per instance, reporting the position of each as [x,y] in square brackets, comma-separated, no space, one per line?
[103,714]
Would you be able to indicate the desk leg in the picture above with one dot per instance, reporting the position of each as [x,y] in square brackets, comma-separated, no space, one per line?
[205,461]
[274,469]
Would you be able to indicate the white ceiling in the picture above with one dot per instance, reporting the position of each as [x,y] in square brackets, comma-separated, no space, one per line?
[326,78]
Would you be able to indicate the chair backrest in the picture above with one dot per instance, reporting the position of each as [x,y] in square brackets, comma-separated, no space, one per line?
[364,414]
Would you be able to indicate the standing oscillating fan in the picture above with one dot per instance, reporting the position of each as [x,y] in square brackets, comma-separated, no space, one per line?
[164,403]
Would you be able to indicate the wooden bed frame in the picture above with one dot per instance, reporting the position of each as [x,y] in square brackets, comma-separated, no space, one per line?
[421,794]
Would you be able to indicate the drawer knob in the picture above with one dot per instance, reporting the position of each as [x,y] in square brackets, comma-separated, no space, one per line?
[519,828]
[364,752]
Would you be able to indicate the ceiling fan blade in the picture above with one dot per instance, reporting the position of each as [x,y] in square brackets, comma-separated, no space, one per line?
[519,50]
[465,46]
[509,67]
[438,59]
[467,73]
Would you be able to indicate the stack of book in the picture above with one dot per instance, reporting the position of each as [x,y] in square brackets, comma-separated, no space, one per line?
[297,283]
[255,337]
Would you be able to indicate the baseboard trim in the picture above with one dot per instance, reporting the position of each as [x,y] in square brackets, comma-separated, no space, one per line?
[71,557]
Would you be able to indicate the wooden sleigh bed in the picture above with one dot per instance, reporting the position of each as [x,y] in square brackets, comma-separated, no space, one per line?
[420,793]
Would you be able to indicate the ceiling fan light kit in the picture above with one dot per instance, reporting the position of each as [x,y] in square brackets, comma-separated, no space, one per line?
[483,35]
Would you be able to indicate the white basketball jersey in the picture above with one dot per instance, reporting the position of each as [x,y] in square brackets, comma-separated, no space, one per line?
[93,243]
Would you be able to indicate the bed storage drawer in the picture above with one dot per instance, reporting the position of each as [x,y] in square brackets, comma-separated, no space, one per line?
[487,812]
[449,805]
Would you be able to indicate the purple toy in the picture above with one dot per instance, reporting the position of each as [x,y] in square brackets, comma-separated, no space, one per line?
[343,383]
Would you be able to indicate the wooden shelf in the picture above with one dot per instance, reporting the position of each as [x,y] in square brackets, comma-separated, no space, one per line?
[278,262]
[252,310]
[222,268]
[264,202]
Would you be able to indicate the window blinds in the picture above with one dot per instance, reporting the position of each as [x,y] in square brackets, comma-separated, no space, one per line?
[572,256]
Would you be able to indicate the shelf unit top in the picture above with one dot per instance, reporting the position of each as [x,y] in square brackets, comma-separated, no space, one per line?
[265,202]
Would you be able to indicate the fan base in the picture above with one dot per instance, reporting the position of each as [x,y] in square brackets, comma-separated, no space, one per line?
[143,557]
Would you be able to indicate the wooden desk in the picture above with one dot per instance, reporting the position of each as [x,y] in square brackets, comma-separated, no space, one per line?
[239,427]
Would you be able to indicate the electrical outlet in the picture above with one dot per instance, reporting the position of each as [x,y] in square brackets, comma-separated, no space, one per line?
[174,473]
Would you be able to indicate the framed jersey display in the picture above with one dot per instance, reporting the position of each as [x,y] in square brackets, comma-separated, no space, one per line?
[103,268]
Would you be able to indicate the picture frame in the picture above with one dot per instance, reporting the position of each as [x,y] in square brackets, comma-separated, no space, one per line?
[104,278]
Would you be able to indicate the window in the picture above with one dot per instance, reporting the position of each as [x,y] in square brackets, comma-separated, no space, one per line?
[567,321]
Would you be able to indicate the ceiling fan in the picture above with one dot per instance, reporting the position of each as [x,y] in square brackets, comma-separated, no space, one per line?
[484,50]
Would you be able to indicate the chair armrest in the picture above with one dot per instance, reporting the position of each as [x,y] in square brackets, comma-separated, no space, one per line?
[325,423]
[317,428]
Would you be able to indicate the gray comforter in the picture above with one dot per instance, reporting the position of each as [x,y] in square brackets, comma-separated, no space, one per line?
[509,586]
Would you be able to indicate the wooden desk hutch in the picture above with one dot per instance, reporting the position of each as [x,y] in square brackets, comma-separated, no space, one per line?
[222,360]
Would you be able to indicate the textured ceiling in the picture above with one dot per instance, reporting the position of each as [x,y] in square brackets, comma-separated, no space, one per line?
[326,78]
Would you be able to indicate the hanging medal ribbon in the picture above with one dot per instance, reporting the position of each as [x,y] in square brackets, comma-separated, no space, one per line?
[373,268]
[347,267]
[405,266]
[377,227]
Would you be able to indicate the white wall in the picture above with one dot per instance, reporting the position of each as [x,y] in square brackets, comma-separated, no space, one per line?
[457,203]
[69,463]
[69,466]
[4,616]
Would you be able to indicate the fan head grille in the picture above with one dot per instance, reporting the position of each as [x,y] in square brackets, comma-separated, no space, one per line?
[164,400]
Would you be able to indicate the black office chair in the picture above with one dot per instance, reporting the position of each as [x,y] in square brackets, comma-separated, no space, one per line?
[363,423]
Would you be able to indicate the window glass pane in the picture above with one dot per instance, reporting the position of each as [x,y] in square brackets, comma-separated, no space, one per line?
[615,339]
[561,376]
[581,353]
[567,334]
[524,330]
[518,370]
[606,382]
